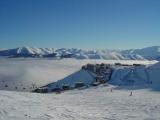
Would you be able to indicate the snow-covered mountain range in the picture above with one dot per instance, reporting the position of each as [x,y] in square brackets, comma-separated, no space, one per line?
[149,53]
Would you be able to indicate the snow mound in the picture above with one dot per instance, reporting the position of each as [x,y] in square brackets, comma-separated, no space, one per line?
[81,76]
[154,73]
[144,77]
[130,76]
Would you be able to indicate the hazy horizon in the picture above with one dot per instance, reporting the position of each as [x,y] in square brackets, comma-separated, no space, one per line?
[79,48]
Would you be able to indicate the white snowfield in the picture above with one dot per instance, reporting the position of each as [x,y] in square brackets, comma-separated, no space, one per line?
[96,103]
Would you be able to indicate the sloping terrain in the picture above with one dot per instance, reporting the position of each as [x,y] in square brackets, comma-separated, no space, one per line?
[80,76]
[130,76]
[97,103]
[104,102]
[149,53]
[27,74]
[137,78]
[154,73]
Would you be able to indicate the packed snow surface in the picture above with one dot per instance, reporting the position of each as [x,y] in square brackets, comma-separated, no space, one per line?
[96,103]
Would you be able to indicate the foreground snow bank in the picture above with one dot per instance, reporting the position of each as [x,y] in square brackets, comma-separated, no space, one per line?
[96,103]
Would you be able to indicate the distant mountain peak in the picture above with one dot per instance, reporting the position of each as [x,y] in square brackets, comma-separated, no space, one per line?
[150,53]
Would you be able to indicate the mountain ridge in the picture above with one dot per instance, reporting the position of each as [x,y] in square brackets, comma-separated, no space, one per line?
[148,53]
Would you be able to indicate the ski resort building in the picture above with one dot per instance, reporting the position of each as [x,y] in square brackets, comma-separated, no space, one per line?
[96,74]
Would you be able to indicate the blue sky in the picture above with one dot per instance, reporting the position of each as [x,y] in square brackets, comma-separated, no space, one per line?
[112,24]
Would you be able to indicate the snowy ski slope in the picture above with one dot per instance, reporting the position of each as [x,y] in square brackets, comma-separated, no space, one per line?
[97,103]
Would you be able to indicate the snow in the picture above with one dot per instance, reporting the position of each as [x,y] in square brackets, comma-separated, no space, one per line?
[154,75]
[26,73]
[149,53]
[96,103]
[140,77]
[104,102]
[22,73]
[130,76]
[77,77]
[34,50]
